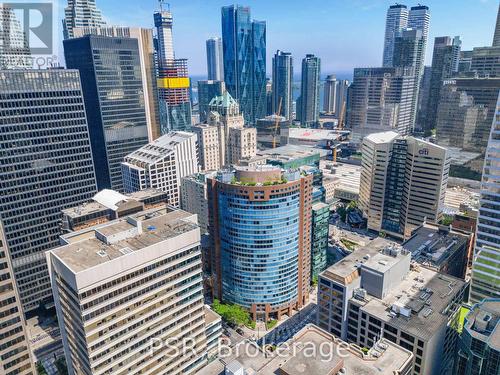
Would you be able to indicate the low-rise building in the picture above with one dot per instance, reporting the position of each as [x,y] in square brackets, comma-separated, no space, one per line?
[346,179]
[316,352]
[129,296]
[161,164]
[292,156]
[109,205]
[441,249]
[377,292]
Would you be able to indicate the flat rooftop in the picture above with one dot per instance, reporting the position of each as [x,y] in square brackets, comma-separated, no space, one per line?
[210,315]
[382,137]
[86,249]
[432,244]
[483,322]
[295,359]
[425,292]
[288,152]
[348,268]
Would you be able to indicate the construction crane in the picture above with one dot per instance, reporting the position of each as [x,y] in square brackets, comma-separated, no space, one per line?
[277,123]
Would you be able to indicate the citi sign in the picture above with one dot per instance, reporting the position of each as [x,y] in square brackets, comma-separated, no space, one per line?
[423,151]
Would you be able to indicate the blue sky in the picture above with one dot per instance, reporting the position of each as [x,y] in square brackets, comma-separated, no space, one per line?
[344,33]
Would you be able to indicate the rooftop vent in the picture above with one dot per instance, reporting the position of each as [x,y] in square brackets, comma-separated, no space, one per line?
[126,250]
[102,253]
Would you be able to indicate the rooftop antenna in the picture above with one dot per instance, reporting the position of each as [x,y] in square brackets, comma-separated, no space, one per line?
[161,5]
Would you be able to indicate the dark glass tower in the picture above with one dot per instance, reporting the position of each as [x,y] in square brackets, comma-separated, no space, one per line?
[282,84]
[114,100]
[309,91]
[45,167]
[244,52]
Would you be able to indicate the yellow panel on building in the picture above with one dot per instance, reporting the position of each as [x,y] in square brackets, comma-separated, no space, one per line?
[173,83]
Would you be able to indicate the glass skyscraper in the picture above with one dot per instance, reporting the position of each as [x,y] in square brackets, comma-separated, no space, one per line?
[260,222]
[244,52]
[308,104]
[486,265]
[207,90]
[45,167]
[114,100]
[282,91]
[215,64]
[81,13]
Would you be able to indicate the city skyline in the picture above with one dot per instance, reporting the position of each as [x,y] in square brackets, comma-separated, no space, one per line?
[340,52]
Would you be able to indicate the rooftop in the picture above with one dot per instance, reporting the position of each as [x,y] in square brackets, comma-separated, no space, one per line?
[289,153]
[483,322]
[100,244]
[431,245]
[382,137]
[298,357]
[210,315]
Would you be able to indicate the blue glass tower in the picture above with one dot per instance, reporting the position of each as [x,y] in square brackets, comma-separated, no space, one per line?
[244,52]
[260,222]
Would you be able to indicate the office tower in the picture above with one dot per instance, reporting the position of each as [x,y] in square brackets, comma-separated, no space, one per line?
[114,101]
[319,241]
[478,349]
[235,141]
[330,94]
[484,90]
[14,49]
[144,39]
[268,211]
[129,296]
[486,61]
[375,292]
[282,84]
[81,13]
[396,20]
[108,205]
[419,19]
[161,164]
[15,352]
[269,130]
[244,52]
[163,21]
[485,275]
[341,100]
[269,97]
[381,99]
[459,119]
[309,91]
[496,35]
[194,196]
[215,63]
[403,182]
[46,166]
[465,62]
[207,90]
[445,58]
[423,95]
[209,146]
[173,79]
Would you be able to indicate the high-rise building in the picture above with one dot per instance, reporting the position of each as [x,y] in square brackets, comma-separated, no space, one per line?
[81,13]
[445,58]
[266,212]
[381,99]
[173,79]
[478,349]
[465,62]
[319,240]
[486,264]
[423,95]
[110,69]
[46,166]
[145,43]
[459,119]
[161,164]
[376,292]
[215,62]
[210,142]
[496,35]
[244,51]
[309,91]
[485,61]
[403,182]
[341,100]
[194,197]
[15,354]
[396,20]
[330,94]
[282,84]
[14,49]
[207,90]
[129,296]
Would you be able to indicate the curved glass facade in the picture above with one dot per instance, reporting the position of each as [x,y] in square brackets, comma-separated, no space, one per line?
[259,246]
